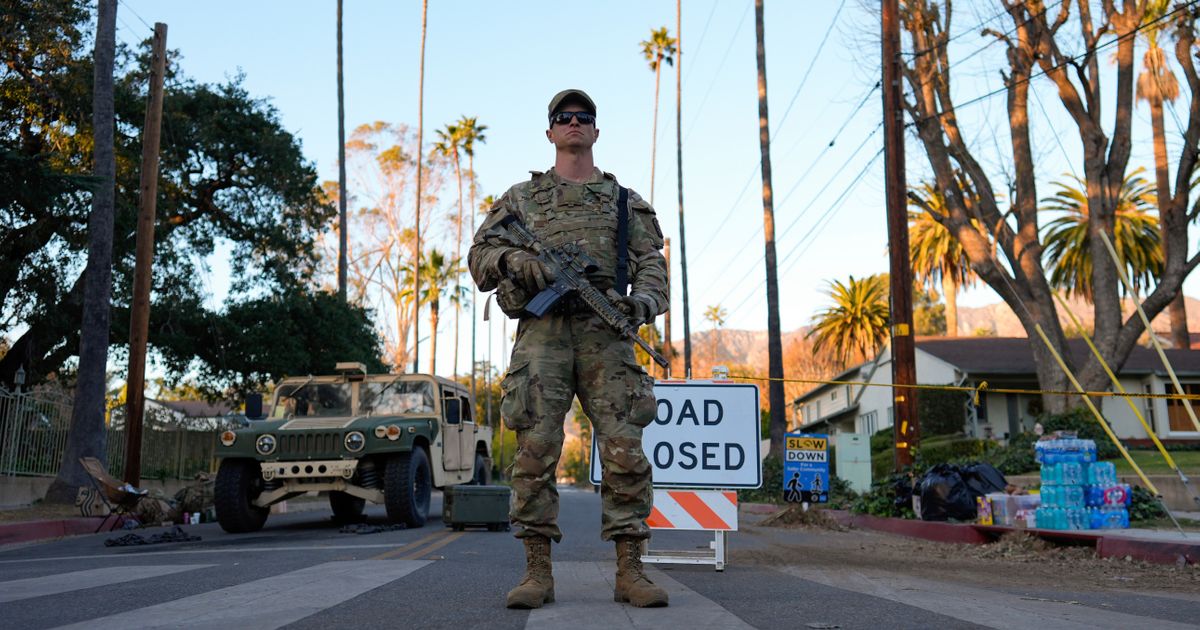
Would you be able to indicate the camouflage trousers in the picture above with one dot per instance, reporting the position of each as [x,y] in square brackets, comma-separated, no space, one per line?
[555,359]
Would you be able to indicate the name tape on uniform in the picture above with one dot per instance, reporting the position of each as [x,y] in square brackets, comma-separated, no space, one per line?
[704,435]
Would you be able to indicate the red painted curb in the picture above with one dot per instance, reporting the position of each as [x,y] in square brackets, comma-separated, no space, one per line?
[39,530]
[759,508]
[1158,552]
[1107,545]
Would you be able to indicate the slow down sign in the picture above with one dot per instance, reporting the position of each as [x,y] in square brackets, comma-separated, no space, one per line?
[705,435]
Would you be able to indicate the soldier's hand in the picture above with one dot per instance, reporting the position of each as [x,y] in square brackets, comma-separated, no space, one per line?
[530,271]
[637,307]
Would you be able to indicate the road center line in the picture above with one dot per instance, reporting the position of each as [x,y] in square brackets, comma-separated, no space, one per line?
[435,546]
[408,547]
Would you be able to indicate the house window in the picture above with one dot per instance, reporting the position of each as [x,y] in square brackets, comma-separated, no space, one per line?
[818,410]
[868,423]
[1149,403]
[833,395]
[1177,417]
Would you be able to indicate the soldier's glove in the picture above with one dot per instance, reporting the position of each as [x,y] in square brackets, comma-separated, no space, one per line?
[639,308]
[528,270]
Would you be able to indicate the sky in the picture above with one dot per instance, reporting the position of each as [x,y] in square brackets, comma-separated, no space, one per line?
[502,61]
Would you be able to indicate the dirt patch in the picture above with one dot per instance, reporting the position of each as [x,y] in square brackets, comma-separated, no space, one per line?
[1016,560]
[797,516]
[39,512]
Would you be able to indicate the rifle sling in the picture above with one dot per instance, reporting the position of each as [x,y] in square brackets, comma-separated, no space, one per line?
[622,281]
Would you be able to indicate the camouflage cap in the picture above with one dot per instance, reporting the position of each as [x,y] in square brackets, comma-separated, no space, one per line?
[577,96]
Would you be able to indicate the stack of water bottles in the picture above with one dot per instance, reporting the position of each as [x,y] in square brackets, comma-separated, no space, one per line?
[1077,491]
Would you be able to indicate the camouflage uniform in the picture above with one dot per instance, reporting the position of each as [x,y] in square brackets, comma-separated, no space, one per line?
[572,352]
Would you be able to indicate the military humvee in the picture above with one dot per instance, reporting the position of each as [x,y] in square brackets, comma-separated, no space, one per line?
[384,438]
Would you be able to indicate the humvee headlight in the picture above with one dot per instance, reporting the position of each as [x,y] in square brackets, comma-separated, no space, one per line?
[393,432]
[228,438]
[381,431]
[355,441]
[265,445]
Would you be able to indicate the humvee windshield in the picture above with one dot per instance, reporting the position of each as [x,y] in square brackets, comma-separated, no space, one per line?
[395,398]
[313,400]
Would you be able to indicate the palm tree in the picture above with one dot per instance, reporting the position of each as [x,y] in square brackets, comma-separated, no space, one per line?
[86,437]
[440,277]
[341,99]
[420,160]
[1157,84]
[687,328]
[448,145]
[778,406]
[856,325]
[658,49]
[472,132]
[716,315]
[937,256]
[1136,235]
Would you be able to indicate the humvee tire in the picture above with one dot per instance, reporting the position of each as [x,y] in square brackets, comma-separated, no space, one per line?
[483,474]
[407,485]
[239,481]
[346,507]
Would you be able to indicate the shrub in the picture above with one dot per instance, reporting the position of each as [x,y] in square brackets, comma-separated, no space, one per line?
[771,490]
[890,496]
[1145,506]
[1083,423]
[941,412]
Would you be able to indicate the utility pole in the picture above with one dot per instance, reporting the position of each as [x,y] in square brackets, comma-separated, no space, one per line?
[139,324]
[341,96]
[420,163]
[904,368]
[687,326]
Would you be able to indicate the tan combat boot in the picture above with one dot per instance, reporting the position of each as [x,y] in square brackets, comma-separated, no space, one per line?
[537,587]
[632,584]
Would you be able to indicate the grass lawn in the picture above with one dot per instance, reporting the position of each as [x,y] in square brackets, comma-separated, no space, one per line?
[1152,462]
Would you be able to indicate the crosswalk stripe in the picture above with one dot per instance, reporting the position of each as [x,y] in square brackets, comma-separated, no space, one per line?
[988,608]
[16,590]
[263,604]
[583,594]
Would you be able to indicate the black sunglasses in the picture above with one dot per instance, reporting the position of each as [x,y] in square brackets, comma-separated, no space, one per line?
[564,118]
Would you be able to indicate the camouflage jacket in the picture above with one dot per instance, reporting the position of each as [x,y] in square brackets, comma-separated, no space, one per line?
[560,211]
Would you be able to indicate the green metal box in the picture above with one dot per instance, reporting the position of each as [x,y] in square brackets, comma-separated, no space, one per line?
[482,506]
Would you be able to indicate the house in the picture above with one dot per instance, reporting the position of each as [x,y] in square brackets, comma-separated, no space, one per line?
[863,402]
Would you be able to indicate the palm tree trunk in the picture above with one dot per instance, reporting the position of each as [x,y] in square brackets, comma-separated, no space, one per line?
[654,130]
[341,163]
[420,161]
[778,406]
[471,192]
[1177,309]
[687,332]
[457,257]
[433,326]
[950,293]
[87,436]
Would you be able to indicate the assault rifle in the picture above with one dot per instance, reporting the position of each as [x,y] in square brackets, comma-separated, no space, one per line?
[570,265]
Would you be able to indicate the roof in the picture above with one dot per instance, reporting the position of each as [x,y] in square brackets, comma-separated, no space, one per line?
[197,408]
[1014,356]
[844,375]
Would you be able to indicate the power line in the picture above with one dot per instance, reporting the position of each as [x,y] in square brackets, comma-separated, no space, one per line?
[753,170]
[696,115]
[135,14]
[811,65]
[745,246]
[700,44]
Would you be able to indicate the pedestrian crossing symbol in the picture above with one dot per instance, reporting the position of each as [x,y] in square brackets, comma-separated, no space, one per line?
[806,468]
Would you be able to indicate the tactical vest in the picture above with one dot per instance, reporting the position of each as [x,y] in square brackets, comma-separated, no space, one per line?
[584,214]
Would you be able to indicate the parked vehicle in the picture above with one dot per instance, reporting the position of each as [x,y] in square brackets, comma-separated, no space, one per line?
[383,438]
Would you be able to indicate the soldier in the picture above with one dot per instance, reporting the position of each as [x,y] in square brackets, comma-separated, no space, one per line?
[572,352]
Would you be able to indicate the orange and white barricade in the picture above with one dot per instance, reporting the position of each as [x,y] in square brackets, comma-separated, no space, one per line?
[702,510]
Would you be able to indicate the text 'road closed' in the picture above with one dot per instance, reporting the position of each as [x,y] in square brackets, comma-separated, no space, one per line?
[704,435]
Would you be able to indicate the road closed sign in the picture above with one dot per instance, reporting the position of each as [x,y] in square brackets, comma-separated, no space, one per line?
[704,435]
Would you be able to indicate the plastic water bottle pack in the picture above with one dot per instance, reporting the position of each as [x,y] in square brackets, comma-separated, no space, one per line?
[1077,491]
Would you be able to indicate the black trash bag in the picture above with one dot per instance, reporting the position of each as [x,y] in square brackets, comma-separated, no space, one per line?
[944,495]
[902,486]
[983,479]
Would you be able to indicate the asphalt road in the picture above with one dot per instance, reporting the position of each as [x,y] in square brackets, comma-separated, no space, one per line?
[301,572]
